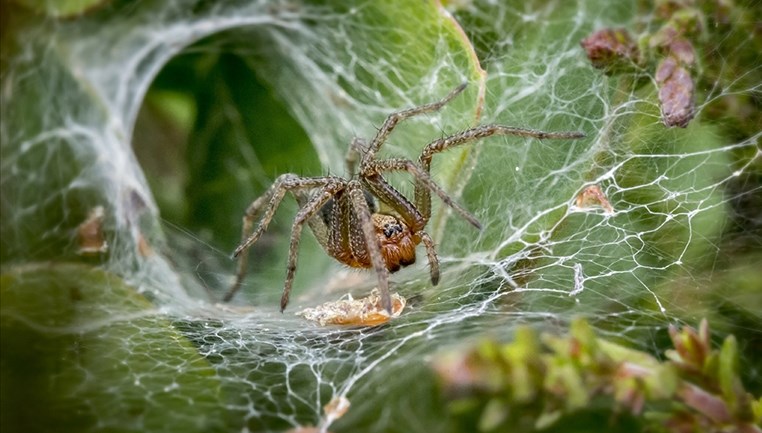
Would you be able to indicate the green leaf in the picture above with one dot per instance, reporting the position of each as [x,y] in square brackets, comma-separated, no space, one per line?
[727,374]
[61,8]
[82,351]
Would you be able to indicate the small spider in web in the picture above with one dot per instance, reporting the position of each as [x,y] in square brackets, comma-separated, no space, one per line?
[343,213]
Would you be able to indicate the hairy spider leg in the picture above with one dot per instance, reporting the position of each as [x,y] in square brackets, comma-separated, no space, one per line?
[422,188]
[360,204]
[396,164]
[356,149]
[431,253]
[395,118]
[343,236]
[415,221]
[272,198]
[410,213]
[309,210]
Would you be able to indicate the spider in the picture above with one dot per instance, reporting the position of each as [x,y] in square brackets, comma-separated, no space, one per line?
[343,212]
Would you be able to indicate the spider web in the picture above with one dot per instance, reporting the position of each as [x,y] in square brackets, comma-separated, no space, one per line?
[681,225]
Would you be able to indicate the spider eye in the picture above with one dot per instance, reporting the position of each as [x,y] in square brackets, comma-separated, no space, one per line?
[391,229]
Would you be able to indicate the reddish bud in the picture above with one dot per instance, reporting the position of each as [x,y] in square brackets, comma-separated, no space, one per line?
[610,48]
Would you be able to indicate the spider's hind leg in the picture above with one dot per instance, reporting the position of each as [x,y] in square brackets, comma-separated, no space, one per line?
[270,201]
[310,209]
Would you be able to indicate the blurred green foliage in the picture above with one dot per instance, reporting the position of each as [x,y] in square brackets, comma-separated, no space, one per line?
[578,382]
[231,112]
[81,351]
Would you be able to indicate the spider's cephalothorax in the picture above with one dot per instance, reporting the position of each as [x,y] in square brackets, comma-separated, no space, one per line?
[396,241]
[342,213]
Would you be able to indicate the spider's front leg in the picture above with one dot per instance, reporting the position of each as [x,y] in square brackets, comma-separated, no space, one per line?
[386,193]
[368,233]
[422,189]
[411,216]
[395,118]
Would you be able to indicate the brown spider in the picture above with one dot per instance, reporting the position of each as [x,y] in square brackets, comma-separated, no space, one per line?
[343,214]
